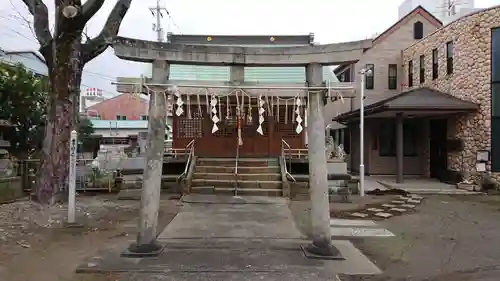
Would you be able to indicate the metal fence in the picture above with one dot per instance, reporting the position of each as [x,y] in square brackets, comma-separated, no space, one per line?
[88,176]
[106,173]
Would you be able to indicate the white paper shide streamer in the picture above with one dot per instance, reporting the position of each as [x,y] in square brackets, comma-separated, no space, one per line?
[306,106]
[249,113]
[261,115]
[179,103]
[215,118]
[299,128]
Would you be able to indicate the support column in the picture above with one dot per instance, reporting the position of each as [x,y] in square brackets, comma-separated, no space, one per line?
[150,197]
[321,246]
[237,74]
[399,148]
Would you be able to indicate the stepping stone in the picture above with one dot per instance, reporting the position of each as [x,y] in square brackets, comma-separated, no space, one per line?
[359,215]
[346,222]
[404,198]
[383,215]
[360,232]
[389,205]
[398,210]
[408,206]
[398,202]
[416,197]
[412,201]
[375,210]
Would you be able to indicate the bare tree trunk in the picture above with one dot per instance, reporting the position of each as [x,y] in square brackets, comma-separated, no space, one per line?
[65,79]
[66,55]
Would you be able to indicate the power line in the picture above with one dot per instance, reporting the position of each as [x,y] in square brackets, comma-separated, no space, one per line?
[100,75]
[81,84]
[33,39]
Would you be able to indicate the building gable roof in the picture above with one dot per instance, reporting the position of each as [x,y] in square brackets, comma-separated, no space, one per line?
[419,10]
[131,105]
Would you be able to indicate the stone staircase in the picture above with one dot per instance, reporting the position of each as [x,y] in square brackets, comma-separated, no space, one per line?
[256,176]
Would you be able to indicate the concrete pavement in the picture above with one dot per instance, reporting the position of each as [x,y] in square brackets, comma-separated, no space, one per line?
[223,238]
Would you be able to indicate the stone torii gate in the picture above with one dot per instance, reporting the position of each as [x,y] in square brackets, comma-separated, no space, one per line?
[312,57]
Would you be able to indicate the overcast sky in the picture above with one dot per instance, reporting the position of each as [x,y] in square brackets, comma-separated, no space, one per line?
[330,20]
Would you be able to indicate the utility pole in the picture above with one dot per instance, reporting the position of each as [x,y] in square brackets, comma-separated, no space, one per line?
[157,26]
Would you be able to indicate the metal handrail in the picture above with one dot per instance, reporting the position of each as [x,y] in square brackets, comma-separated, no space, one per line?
[283,144]
[236,167]
[189,146]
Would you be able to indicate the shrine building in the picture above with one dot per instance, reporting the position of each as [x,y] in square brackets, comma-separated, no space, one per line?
[246,110]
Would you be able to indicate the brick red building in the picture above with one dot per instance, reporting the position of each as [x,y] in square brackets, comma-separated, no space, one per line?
[121,107]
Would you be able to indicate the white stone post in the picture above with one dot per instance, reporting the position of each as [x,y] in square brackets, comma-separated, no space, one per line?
[73,144]
[318,182]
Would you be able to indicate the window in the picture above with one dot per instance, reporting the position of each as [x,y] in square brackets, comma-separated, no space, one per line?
[449,57]
[495,100]
[144,117]
[387,138]
[393,76]
[369,82]
[418,30]
[410,74]
[422,69]
[345,76]
[495,54]
[121,117]
[435,64]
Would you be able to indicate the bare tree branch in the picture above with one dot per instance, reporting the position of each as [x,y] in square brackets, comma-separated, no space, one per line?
[40,21]
[90,8]
[21,17]
[101,42]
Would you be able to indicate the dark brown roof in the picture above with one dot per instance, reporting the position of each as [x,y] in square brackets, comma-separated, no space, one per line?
[414,100]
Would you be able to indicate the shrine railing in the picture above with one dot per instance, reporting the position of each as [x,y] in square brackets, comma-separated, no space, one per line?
[189,147]
[177,153]
[286,147]
[236,167]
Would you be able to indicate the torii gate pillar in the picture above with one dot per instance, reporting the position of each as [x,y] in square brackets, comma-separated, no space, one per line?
[150,196]
[321,246]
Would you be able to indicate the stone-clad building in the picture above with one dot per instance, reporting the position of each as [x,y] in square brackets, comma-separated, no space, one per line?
[462,59]
[444,111]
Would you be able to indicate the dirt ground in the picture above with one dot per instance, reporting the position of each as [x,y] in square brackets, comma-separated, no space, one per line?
[35,244]
[450,238]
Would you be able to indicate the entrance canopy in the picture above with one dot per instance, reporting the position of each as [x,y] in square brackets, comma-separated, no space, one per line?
[420,102]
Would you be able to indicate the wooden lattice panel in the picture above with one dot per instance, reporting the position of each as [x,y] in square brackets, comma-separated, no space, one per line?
[189,128]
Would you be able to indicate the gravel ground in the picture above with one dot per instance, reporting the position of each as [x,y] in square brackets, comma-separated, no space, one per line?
[450,238]
[36,245]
